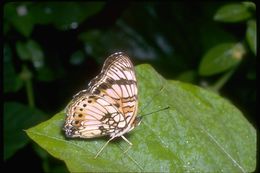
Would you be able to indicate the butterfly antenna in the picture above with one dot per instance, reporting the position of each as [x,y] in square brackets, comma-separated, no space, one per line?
[155,111]
[150,101]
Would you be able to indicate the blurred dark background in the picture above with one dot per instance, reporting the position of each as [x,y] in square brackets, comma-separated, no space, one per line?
[52,50]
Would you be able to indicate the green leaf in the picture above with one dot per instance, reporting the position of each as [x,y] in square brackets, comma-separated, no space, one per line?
[18,15]
[221,58]
[251,35]
[36,52]
[233,13]
[42,13]
[77,13]
[22,51]
[122,37]
[250,5]
[17,118]
[32,51]
[201,132]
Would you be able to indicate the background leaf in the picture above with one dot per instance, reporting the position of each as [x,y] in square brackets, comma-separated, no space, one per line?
[251,35]
[11,80]
[221,58]
[18,117]
[233,13]
[64,20]
[200,132]
[18,15]
[22,51]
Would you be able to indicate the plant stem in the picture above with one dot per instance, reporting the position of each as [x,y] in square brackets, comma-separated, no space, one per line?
[26,76]
[29,91]
[221,82]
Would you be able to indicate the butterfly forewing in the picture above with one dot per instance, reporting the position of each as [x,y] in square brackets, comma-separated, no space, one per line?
[109,105]
[118,84]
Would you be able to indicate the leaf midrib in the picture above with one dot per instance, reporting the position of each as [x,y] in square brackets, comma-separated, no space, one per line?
[70,143]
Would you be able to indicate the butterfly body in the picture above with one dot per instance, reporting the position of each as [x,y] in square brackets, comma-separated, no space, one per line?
[109,105]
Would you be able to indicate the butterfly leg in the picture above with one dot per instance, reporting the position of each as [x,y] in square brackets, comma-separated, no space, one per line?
[103,147]
[130,144]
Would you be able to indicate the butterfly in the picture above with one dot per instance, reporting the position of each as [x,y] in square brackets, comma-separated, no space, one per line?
[108,107]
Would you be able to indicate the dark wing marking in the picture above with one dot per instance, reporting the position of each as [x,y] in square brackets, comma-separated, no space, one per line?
[117,84]
[97,118]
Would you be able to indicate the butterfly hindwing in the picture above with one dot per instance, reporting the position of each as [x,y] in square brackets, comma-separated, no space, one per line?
[93,116]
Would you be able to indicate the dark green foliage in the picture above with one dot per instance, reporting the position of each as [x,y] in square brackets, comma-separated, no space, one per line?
[52,49]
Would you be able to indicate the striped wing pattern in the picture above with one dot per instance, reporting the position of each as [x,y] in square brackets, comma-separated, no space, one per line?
[109,105]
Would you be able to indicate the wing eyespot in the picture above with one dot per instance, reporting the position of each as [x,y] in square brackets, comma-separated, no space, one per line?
[76,123]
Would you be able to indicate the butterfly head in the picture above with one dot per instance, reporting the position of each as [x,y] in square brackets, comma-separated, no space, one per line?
[136,122]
